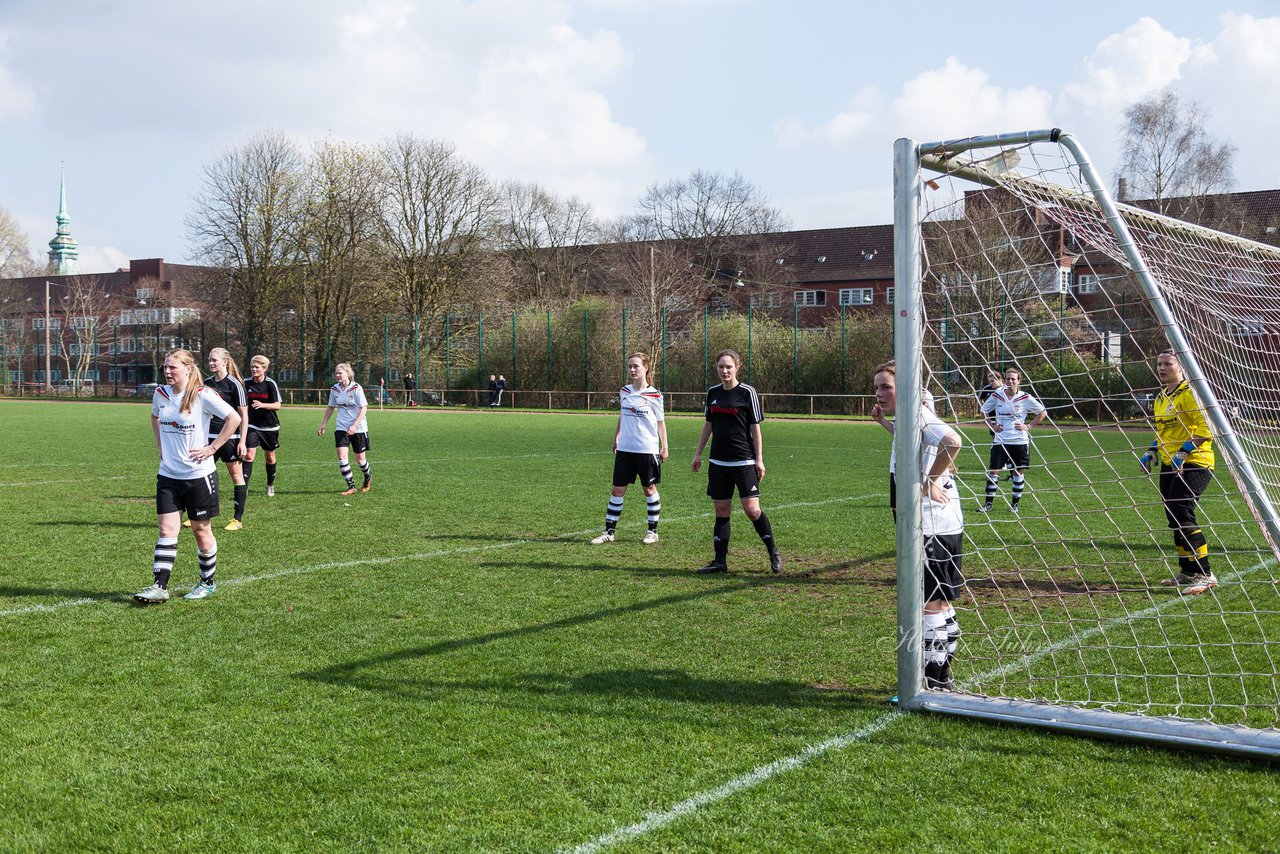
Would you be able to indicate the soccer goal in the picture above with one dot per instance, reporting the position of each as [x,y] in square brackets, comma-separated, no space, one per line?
[1010,252]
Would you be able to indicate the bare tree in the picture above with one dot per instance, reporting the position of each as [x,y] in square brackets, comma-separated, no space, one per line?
[551,242]
[1166,153]
[15,252]
[437,229]
[245,224]
[712,215]
[85,302]
[337,245]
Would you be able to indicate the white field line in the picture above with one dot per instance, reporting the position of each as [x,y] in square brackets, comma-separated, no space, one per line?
[384,561]
[763,773]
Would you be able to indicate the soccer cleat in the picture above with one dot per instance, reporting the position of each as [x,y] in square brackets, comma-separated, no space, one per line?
[1183,579]
[713,567]
[1200,584]
[153,595]
[937,677]
[271,490]
[985,508]
[234,525]
[186,523]
[606,537]
[775,562]
[650,538]
[202,590]
[368,482]
[350,490]
[1014,508]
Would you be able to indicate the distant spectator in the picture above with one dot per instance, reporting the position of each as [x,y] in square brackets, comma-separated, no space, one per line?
[493,390]
[502,386]
[410,389]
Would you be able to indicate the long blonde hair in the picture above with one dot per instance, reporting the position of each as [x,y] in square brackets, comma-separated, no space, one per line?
[229,360]
[195,381]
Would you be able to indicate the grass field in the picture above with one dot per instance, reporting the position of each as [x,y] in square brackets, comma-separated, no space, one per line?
[446,664]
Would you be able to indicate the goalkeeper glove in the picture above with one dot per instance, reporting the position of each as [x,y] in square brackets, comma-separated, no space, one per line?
[1187,449]
[1148,457]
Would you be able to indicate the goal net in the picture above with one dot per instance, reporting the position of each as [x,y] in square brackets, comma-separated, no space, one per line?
[1011,254]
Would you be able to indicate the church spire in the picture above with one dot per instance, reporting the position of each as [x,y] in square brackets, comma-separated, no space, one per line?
[64,256]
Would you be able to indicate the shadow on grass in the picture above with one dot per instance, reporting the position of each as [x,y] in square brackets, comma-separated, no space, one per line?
[665,686]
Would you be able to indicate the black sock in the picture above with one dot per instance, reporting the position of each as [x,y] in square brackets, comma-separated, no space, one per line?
[241,493]
[247,468]
[271,474]
[765,530]
[720,539]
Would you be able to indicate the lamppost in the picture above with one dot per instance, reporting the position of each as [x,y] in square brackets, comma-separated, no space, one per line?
[48,377]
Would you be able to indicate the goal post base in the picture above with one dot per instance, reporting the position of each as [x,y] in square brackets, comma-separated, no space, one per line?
[1177,733]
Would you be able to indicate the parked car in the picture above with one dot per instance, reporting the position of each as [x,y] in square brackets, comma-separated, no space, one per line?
[82,387]
[147,390]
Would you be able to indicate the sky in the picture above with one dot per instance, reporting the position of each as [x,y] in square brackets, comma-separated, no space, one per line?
[593,98]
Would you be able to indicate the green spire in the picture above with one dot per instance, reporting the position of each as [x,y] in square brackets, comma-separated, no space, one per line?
[64,256]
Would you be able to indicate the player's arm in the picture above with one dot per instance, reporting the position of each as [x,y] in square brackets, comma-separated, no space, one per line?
[989,413]
[948,449]
[702,443]
[230,423]
[662,440]
[242,446]
[757,438]
[155,428]
[328,413]
[1040,416]
[617,433]
[877,413]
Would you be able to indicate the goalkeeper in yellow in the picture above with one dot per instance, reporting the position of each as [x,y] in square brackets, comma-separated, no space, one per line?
[1184,447]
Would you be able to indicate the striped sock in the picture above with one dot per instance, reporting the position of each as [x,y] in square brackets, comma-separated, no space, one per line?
[162,563]
[612,512]
[208,564]
[1019,484]
[654,506]
[345,468]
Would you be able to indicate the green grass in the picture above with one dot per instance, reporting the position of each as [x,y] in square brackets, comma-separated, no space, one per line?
[446,664]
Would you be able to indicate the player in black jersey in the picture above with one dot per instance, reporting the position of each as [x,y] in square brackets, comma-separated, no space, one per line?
[264,424]
[733,417]
[226,381]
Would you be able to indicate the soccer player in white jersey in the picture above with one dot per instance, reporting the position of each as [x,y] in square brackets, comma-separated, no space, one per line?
[351,430]
[264,420]
[942,523]
[225,379]
[878,414]
[639,448]
[733,416]
[188,477]
[1006,411]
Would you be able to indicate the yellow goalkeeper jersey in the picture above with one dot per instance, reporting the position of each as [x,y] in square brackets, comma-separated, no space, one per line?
[1178,418]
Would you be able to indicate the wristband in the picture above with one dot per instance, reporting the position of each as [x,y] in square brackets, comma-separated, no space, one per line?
[1189,447]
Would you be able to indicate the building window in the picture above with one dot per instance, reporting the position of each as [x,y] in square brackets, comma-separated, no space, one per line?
[811,299]
[83,322]
[113,375]
[145,293]
[288,374]
[856,296]
[54,323]
[1087,283]
[888,296]
[773,299]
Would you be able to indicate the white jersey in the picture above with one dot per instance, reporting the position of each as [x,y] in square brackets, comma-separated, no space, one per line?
[935,518]
[348,402]
[642,410]
[1010,411]
[183,432]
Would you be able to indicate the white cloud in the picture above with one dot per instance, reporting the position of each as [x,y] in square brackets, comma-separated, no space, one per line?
[1128,65]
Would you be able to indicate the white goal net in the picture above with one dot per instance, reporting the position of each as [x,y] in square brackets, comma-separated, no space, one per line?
[1012,255]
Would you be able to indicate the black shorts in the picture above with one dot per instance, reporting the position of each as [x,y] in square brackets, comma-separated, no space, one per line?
[268,440]
[943,577]
[228,453]
[358,442]
[198,498]
[1018,455]
[629,465]
[722,479]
